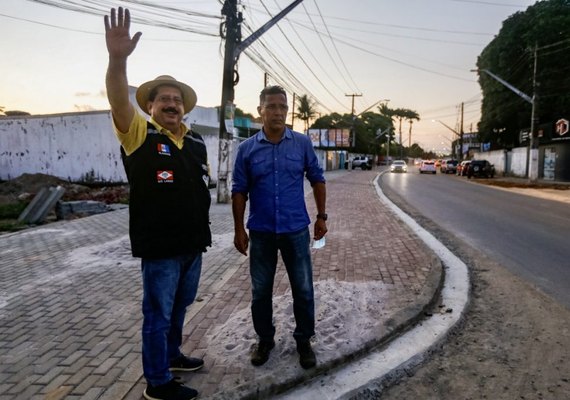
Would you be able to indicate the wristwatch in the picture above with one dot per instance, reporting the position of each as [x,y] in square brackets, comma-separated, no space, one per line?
[322,216]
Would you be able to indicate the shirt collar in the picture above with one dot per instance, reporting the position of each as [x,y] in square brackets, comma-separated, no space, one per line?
[261,135]
[165,131]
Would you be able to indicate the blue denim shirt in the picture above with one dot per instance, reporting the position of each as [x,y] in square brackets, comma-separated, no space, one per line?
[272,176]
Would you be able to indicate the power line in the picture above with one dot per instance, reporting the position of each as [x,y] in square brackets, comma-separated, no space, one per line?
[301,58]
[489,3]
[334,45]
[408,27]
[146,14]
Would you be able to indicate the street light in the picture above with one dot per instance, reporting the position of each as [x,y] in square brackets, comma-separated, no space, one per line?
[379,101]
[452,148]
[459,135]
[532,149]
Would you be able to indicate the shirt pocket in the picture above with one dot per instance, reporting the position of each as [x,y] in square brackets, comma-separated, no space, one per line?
[294,164]
[260,167]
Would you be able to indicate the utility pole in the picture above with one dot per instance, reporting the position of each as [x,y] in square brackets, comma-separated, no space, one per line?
[401,144]
[461,135]
[388,147]
[353,117]
[233,38]
[293,114]
[387,132]
[532,154]
[234,47]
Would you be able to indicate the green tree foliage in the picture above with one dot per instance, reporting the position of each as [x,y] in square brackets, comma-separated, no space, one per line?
[240,113]
[399,115]
[415,151]
[368,126]
[334,120]
[510,56]
[306,110]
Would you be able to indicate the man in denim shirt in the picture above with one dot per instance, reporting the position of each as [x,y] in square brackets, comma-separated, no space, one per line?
[269,170]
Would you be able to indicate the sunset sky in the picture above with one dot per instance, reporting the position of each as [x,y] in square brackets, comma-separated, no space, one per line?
[416,53]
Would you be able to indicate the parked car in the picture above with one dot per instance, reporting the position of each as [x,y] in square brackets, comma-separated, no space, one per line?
[462,168]
[427,167]
[448,166]
[399,166]
[362,162]
[481,169]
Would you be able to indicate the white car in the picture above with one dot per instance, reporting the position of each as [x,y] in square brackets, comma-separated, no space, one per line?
[399,166]
[427,167]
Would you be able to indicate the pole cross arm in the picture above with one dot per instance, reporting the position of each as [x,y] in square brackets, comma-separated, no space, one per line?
[255,35]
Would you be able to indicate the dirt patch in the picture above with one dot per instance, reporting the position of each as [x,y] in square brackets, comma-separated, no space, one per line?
[514,345]
[520,183]
[26,186]
[17,193]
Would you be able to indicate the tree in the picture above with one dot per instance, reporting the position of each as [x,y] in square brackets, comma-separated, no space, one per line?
[400,114]
[334,120]
[306,110]
[372,124]
[240,113]
[367,126]
[510,55]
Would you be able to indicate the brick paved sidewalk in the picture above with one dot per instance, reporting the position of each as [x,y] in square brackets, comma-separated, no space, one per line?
[70,292]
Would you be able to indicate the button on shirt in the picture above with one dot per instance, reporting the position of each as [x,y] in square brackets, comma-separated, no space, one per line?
[272,175]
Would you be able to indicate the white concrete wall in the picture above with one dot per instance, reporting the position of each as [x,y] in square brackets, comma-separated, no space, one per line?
[82,147]
[75,147]
[515,163]
[518,161]
[496,157]
[78,146]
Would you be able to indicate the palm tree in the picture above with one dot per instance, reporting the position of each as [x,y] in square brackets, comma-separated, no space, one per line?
[306,110]
[401,114]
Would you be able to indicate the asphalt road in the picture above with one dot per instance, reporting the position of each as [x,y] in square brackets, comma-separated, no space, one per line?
[527,235]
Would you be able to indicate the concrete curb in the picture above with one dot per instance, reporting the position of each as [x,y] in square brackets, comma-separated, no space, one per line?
[367,377]
[397,325]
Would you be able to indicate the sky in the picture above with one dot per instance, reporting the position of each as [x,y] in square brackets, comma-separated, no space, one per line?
[414,54]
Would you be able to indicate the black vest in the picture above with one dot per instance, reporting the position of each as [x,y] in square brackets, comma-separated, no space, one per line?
[169,198]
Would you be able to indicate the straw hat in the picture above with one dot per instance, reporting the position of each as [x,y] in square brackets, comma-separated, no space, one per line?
[144,90]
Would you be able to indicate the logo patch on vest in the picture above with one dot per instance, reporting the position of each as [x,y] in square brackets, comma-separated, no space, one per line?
[165,176]
[163,149]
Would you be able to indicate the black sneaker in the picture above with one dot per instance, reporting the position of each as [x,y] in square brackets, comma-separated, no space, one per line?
[183,363]
[307,357]
[261,352]
[172,390]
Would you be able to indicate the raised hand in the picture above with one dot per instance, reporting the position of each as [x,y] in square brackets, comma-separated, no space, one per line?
[117,35]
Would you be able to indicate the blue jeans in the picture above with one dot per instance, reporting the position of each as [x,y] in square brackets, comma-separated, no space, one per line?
[169,286]
[295,251]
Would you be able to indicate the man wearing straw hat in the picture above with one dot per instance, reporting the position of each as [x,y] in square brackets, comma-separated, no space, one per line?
[166,165]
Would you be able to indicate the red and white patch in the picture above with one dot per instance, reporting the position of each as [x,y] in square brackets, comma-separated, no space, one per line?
[164,176]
